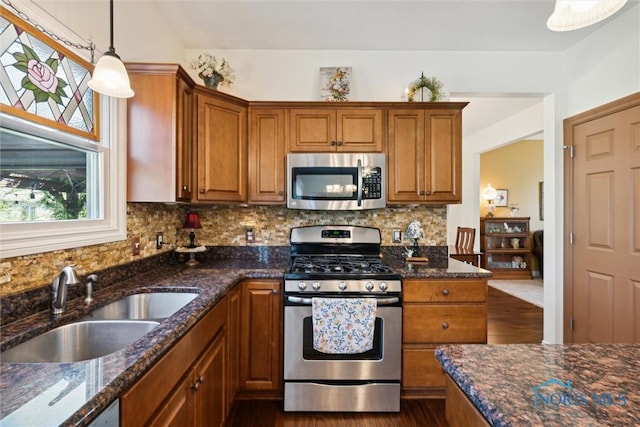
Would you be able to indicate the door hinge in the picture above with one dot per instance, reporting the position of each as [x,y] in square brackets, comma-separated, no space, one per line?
[571,238]
[570,148]
[571,324]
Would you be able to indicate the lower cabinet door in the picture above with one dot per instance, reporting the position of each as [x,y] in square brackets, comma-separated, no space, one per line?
[209,384]
[421,369]
[177,409]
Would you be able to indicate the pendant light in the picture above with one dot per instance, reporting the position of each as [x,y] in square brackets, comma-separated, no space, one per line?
[110,77]
[574,14]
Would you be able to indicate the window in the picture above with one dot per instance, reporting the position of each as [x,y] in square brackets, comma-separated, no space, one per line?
[62,171]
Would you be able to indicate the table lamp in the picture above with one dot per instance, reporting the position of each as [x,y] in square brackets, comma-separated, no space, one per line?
[490,194]
[192,221]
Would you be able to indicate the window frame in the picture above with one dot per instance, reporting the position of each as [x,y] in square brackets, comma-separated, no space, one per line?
[18,239]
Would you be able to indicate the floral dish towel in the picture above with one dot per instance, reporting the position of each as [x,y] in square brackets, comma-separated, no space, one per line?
[343,325]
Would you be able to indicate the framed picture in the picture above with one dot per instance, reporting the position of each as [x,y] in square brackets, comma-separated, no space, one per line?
[502,197]
[335,83]
[541,200]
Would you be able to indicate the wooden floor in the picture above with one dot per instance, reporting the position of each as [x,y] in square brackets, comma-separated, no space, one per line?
[510,321]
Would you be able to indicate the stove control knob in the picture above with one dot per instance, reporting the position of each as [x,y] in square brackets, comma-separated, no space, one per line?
[342,286]
[302,286]
[383,286]
[315,285]
[369,286]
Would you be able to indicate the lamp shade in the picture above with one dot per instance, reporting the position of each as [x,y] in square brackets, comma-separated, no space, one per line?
[489,193]
[574,14]
[192,220]
[110,77]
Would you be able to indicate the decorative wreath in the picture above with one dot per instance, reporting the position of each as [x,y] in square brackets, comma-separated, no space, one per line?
[431,83]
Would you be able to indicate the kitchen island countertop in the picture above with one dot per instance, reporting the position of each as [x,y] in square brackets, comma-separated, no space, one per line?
[75,393]
[550,385]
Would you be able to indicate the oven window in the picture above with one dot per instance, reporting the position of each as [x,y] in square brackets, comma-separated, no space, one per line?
[309,353]
[330,183]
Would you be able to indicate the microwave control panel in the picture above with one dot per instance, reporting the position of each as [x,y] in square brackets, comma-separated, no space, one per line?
[372,183]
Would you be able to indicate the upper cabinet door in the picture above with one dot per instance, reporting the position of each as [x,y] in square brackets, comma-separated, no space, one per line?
[222,150]
[406,156]
[267,156]
[443,179]
[184,150]
[329,129]
[359,130]
[312,130]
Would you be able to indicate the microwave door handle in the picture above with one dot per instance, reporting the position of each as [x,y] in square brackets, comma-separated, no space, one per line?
[359,185]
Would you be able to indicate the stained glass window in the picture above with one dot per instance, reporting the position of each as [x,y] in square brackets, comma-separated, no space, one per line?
[40,77]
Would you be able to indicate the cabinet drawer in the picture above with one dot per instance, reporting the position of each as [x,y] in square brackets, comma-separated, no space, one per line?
[444,290]
[444,323]
[420,369]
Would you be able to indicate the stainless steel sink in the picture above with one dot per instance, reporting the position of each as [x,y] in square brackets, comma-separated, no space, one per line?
[145,306]
[78,341]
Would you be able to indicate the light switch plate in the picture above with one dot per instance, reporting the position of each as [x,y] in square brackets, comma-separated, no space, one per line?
[396,236]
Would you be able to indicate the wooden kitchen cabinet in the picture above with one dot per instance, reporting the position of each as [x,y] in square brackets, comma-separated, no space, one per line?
[160,134]
[233,343]
[261,338]
[189,384]
[506,243]
[221,147]
[425,154]
[438,311]
[330,129]
[267,155]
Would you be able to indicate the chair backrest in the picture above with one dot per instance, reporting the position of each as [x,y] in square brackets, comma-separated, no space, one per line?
[465,238]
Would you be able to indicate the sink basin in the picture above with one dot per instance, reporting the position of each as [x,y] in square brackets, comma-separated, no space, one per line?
[78,341]
[146,306]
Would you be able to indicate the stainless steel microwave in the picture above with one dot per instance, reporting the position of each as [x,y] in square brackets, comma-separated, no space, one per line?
[336,181]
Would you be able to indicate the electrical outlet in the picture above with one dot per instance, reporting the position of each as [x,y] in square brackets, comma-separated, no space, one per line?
[135,245]
[396,236]
[159,241]
[248,234]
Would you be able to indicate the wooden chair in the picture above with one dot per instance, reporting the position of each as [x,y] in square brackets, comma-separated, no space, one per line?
[465,238]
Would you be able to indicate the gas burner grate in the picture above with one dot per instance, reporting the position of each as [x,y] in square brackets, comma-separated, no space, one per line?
[328,264]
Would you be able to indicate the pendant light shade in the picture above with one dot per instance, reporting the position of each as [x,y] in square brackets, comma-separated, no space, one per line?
[574,14]
[110,77]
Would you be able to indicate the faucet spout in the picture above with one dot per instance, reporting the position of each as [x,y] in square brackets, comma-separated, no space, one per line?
[59,288]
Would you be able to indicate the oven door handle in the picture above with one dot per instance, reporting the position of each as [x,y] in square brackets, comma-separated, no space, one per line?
[379,301]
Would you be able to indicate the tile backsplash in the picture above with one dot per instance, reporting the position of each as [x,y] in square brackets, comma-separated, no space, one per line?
[222,225]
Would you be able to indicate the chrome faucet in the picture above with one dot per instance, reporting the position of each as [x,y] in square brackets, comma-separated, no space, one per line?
[59,288]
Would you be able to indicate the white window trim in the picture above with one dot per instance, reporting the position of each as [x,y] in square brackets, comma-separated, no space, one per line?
[33,238]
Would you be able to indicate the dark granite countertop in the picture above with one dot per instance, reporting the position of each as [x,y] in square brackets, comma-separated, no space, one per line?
[550,385]
[75,393]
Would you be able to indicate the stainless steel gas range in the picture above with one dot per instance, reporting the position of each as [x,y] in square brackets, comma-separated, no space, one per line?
[336,270]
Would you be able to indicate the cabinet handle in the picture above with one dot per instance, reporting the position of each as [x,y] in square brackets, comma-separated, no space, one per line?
[274,291]
[445,292]
[445,325]
[202,191]
[333,143]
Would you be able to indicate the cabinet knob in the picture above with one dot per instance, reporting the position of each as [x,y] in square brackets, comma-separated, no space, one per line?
[340,143]
[274,291]
[185,188]
[195,386]
[280,192]
[421,192]
[202,191]
[201,379]
[333,143]
[428,193]
[445,325]
[445,292]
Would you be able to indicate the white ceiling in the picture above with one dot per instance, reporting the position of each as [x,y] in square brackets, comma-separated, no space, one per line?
[482,25]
